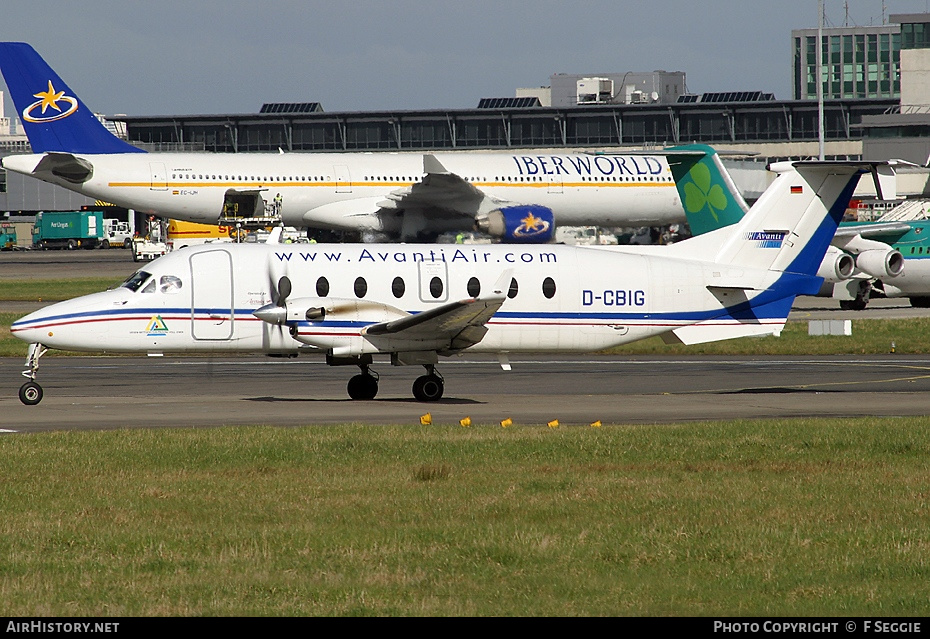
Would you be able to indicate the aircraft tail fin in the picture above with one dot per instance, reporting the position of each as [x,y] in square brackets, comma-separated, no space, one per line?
[54,118]
[708,193]
[789,228]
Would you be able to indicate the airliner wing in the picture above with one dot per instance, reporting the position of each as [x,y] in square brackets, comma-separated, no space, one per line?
[462,323]
[873,230]
[439,189]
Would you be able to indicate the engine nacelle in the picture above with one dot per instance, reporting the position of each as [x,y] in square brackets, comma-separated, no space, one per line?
[880,263]
[319,309]
[837,266]
[525,224]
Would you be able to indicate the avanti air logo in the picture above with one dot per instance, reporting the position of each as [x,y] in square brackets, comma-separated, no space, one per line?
[767,239]
[700,193]
[49,100]
[156,327]
[530,226]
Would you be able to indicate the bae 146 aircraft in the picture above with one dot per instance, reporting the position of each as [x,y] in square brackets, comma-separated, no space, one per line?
[415,303]
[518,197]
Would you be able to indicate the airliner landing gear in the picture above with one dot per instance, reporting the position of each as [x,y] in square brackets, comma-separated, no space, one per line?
[30,393]
[364,385]
[429,387]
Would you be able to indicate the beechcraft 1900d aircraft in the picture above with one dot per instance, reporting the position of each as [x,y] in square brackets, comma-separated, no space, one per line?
[415,303]
[519,197]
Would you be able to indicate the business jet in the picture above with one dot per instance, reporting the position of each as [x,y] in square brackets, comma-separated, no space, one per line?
[415,303]
[518,197]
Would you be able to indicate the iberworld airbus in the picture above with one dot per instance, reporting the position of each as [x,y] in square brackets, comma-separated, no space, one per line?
[518,197]
[411,304]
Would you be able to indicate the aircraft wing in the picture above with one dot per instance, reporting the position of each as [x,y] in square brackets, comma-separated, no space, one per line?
[461,324]
[450,327]
[439,189]
[877,229]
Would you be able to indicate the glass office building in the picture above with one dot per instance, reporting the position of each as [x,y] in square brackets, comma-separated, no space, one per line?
[858,62]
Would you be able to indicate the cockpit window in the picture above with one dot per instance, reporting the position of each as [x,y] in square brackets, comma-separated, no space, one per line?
[150,287]
[170,284]
[136,280]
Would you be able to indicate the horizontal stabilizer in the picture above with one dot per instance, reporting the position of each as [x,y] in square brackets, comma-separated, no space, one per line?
[710,331]
[65,166]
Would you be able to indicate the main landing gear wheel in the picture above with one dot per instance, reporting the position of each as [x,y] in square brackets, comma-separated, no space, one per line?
[364,385]
[30,393]
[428,388]
[857,304]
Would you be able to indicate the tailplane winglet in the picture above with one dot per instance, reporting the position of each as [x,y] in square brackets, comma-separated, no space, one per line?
[53,117]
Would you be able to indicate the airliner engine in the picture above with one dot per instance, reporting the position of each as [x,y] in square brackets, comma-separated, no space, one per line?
[880,263]
[525,224]
[837,265]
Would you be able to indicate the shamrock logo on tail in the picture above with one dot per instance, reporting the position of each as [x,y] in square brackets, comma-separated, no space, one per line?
[700,193]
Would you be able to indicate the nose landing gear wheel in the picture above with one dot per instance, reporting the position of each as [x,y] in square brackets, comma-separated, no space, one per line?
[30,393]
[428,388]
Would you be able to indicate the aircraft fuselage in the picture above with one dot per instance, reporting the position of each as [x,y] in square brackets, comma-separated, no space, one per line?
[203,299]
[349,191]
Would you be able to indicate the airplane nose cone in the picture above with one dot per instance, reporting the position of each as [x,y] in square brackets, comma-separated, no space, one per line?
[271,313]
[31,328]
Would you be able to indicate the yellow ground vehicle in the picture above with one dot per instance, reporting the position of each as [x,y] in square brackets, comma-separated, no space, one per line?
[181,234]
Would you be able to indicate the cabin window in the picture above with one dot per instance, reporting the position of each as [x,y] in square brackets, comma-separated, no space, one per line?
[514,288]
[398,287]
[548,288]
[170,284]
[435,287]
[361,287]
[322,287]
[473,287]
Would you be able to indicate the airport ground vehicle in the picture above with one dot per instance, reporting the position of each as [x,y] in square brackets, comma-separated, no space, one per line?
[7,236]
[68,230]
[118,233]
[182,233]
[151,243]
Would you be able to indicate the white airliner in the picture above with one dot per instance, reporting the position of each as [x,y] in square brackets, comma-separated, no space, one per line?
[415,303]
[519,197]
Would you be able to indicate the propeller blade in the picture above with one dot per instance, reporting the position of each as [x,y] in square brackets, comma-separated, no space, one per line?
[284,289]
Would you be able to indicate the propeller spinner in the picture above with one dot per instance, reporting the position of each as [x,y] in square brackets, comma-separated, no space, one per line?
[276,313]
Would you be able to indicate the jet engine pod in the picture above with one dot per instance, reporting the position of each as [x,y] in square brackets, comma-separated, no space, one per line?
[524,224]
[837,266]
[880,263]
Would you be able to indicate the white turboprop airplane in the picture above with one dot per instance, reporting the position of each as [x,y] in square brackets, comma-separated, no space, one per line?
[519,197]
[414,303]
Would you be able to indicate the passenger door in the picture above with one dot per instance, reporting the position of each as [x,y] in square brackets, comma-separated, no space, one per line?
[212,313]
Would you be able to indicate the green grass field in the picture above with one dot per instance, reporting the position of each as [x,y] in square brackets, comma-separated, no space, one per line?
[53,290]
[756,518]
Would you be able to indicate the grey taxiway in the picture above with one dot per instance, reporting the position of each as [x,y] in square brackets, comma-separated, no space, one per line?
[132,392]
